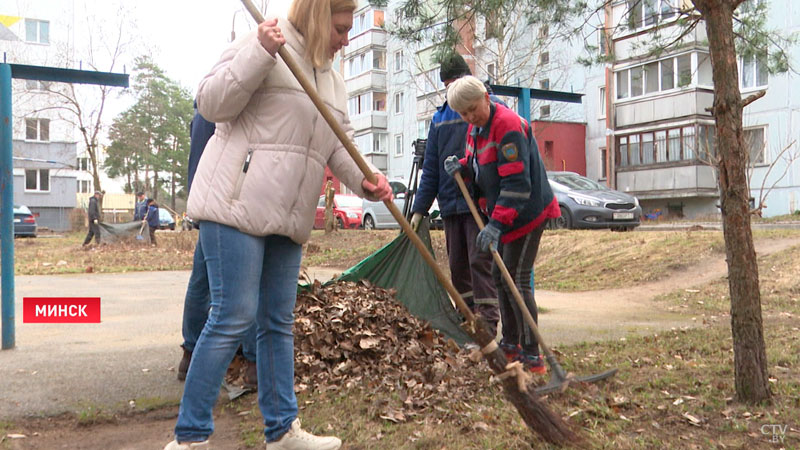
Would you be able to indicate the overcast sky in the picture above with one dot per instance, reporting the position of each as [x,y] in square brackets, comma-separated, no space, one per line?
[186,37]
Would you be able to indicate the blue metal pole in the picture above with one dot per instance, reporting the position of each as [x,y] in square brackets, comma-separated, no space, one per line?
[6,208]
[524,107]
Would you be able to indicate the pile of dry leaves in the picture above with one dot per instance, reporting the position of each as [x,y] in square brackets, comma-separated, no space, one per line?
[357,335]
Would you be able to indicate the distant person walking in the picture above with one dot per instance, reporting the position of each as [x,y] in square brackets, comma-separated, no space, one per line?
[140,209]
[152,220]
[94,219]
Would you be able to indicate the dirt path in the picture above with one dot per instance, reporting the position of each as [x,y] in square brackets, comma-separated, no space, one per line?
[572,317]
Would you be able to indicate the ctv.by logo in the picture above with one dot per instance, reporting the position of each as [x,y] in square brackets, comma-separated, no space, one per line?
[776,433]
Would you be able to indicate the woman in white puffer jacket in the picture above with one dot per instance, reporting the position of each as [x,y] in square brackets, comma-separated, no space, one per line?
[255,193]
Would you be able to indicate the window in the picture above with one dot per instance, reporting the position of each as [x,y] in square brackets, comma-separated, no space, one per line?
[604,163]
[398,61]
[379,59]
[636,81]
[648,148]
[544,58]
[661,146]
[707,143]
[83,164]
[602,101]
[398,145]
[36,85]
[491,71]
[37,180]
[398,103]
[667,145]
[84,186]
[754,72]
[362,23]
[544,111]
[657,76]
[754,140]
[667,74]
[37,31]
[650,78]
[359,104]
[423,126]
[622,84]
[544,84]
[646,13]
[684,70]
[37,129]
[380,143]
[379,101]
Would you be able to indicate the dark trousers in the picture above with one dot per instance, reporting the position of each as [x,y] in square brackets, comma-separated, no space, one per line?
[152,235]
[518,257]
[94,231]
[471,270]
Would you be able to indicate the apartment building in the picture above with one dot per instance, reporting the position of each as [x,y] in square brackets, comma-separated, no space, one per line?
[44,146]
[653,111]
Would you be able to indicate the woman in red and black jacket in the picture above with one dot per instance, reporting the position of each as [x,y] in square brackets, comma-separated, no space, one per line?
[510,185]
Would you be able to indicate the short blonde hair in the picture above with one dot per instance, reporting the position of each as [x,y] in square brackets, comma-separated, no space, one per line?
[312,18]
[465,91]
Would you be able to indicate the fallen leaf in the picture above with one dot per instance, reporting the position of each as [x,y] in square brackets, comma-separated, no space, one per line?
[692,419]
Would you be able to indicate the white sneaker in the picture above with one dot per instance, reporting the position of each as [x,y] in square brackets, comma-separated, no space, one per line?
[298,439]
[187,446]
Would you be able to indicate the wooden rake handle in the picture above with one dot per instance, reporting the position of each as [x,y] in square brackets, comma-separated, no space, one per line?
[503,269]
[366,170]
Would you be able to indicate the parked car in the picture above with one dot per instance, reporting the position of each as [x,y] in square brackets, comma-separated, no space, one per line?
[24,222]
[346,210]
[377,215]
[165,220]
[586,203]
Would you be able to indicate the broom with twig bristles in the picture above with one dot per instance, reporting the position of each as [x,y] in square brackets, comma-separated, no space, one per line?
[514,379]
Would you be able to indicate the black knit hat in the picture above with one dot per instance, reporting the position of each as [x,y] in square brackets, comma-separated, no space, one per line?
[453,66]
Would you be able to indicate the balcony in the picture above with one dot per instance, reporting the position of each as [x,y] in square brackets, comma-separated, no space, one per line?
[675,181]
[648,109]
[374,119]
[379,160]
[370,80]
[371,38]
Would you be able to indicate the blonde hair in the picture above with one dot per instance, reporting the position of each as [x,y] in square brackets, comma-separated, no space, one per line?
[465,91]
[312,18]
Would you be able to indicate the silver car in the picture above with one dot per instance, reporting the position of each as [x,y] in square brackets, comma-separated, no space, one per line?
[375,215]
[586,203]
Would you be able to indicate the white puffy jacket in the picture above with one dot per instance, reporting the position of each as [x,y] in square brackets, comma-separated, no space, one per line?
[262,171]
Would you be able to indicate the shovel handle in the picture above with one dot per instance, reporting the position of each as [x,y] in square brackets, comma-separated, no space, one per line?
[503,269]
[365,169]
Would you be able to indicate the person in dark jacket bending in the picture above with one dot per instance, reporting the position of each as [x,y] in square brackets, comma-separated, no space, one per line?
[470,270]
[94,219]
[152,220]
[509,181]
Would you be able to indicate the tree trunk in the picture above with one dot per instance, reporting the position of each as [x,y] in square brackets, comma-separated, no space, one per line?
[750,358]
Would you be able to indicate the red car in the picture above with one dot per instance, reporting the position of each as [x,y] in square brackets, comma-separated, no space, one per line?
[346,210]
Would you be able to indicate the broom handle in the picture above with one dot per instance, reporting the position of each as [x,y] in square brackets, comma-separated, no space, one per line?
[506,275]
[366,170]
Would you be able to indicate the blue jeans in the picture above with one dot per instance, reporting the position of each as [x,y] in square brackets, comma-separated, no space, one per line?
[251,279]
[197,303]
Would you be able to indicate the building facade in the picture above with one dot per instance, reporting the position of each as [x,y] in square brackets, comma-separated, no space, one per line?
[44,146]
[654,113]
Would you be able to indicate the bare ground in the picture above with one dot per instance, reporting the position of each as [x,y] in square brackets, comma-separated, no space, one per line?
[569,317]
